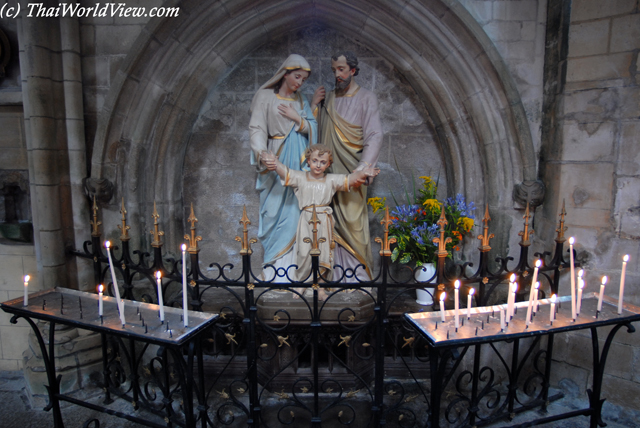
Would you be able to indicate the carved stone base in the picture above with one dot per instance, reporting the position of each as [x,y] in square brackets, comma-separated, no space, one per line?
[78,359]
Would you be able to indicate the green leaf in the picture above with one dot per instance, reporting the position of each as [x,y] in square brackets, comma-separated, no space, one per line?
[394,254]
[406,258]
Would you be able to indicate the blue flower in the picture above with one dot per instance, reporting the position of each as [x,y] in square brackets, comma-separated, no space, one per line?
[461,206]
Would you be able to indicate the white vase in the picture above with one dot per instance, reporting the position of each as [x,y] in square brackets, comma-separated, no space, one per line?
[424,273]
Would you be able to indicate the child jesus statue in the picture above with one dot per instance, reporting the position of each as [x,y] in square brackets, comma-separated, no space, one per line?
[314,188]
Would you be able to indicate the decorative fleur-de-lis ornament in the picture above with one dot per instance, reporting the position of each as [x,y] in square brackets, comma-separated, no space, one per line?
[385,243]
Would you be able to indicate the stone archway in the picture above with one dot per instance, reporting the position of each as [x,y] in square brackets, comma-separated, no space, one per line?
[441,51]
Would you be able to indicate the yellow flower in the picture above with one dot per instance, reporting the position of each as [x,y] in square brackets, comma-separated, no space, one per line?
[466,223]
[429,185]
[432,204]
[377,203]
[426,179]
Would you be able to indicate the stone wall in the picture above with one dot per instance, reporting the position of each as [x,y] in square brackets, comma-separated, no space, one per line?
[594,167]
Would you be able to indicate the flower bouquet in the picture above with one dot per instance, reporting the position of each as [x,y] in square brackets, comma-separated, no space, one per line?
[415,225]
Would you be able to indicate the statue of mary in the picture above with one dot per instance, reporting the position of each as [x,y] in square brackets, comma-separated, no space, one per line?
[281,123]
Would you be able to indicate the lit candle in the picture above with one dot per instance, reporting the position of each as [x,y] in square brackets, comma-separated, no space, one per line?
[625,259]
[470,301]
[535,271]
[552,313]
[107,245]
[100,302]
[502,323]
[510,302]
[604,282]
[185,306]
[573,280]
[442,297]
[160,302]
[580,287]
[536,286]
[456,285]
[26,290]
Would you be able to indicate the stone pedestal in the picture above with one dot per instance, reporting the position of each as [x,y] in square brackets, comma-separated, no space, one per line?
[78,360]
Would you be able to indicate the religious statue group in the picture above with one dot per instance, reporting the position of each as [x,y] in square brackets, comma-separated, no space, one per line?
[293,145]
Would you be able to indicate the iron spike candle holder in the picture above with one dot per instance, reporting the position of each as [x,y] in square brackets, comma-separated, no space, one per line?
[81,308]
[430,324]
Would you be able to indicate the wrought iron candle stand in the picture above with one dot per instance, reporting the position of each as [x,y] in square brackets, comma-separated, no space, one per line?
[248,340]
[171,370]
[448,346]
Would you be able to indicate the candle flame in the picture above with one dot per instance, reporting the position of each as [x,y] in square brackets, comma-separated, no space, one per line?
[512,278]
[107,244]
[553,298]
[604,280]
[571,241]
[457,284]
[537,285]
[581,283]
[625,258]
[580,273]
[471,291]
[100,288]
[515,287]
[443,296]
[27,278]
[538,263]
[158,275]
[184,247]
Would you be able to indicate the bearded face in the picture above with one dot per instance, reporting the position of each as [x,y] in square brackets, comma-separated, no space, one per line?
[342,72]
[342,84]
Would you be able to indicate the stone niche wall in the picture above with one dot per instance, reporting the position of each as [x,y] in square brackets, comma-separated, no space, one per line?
[218,178]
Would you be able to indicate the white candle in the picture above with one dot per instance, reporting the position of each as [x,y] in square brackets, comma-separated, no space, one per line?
[26,290]
[185,305]
[536,286]
[457,303]
[573,280]
[529,307]
[579,301]
[625,259]
[513,300]
[580,286]
[502,324]
[510,303]
[552,313]
[107,245]
[121,307]
[604,282]
[160,302]
[442,297]
[100,302]
[535,271]
[470,301]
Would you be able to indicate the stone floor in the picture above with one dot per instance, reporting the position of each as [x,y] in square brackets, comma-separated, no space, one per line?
[17,412]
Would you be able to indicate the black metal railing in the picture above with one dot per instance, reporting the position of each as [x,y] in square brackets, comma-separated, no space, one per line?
[274,360]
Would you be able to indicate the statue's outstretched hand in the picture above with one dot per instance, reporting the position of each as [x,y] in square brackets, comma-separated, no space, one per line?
[370,172]
[268,159]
